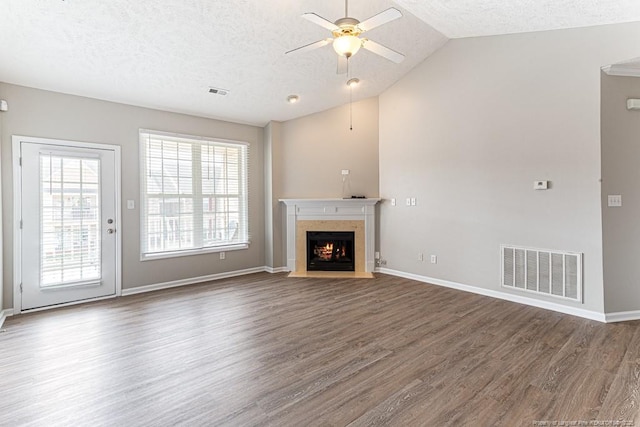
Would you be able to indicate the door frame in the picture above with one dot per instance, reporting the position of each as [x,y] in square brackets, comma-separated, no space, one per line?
[17,214]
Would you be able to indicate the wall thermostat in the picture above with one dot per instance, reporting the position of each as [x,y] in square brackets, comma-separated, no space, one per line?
[633,104]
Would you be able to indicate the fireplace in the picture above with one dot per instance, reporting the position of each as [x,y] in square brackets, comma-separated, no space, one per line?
[331,215]
[330,251]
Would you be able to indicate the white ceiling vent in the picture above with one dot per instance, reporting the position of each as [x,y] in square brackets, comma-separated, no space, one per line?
[552,273]
[218,91]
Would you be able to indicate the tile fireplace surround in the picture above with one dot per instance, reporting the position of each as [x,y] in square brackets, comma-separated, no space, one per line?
[357,215]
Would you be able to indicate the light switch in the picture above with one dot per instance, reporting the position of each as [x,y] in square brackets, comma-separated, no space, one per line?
[131,204]
[408,201]
[413,201]
[615,201]
[393,202]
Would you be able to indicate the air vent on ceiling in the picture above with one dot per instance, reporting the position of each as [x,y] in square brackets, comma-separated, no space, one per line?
[552,273]
[218,91]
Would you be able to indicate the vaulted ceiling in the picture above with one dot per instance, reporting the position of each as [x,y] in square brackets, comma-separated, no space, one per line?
[167,54]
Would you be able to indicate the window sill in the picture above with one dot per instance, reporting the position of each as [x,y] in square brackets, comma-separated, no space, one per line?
[177,254]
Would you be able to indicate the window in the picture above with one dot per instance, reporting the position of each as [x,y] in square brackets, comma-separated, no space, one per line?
[194,195]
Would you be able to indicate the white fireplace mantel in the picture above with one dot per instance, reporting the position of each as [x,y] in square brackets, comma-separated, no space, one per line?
[331,210]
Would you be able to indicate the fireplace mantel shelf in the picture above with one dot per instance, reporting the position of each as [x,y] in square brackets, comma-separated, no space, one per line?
[366,202]
[338,211]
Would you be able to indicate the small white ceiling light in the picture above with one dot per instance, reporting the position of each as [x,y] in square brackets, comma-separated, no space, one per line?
[353,82]
[292,99]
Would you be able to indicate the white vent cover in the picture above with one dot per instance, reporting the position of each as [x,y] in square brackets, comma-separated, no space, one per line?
[553,273]
[218,91]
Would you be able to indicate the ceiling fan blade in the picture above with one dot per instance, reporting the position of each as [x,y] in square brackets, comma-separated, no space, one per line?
[379,19]
[343,65]
[310,46]
[317,19]
[383,51]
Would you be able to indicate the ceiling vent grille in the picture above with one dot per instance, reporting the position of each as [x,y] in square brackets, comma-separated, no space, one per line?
[552,273]
[218,91]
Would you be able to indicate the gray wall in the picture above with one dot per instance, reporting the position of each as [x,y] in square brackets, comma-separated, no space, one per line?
[2,155]
[314,149]
[40,113]
[469,130]
[621,175]
[274,216]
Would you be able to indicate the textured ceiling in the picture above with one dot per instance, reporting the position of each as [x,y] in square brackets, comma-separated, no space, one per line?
[165,54]
[472,18]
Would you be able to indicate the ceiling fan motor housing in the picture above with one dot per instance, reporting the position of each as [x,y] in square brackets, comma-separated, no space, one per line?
[347,27]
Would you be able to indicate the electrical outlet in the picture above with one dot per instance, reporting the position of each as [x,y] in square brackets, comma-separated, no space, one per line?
[614,201]
[345,171]
[421,257]
[434,259]
[393,202]
[377,255]
[223,255]
[540,185]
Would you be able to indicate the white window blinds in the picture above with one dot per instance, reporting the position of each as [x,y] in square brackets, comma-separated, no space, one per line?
[194,195]
[69,220]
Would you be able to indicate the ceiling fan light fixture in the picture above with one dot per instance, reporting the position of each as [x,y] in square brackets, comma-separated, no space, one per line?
[347,45]
[353,82]
[292,99]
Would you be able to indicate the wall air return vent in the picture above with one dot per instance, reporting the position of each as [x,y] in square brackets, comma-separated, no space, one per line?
[545,272]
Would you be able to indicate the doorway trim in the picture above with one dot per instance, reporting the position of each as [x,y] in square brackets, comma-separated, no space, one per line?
[17,214]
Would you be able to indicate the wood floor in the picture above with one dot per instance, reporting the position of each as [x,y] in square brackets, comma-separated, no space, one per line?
[270,350]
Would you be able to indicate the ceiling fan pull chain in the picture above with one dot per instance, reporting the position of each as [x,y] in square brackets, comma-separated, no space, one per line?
[350,97]
[346,8]
[351,109]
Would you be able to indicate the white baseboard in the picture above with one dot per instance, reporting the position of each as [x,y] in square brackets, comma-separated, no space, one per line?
[622,316]
[175,283]
[273,270]
[579,312]
[190,281]
[587,314]
[4,314]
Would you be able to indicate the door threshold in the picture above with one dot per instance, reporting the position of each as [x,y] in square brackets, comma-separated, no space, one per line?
[65,304]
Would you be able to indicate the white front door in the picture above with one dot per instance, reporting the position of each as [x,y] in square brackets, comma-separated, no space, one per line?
[68,229]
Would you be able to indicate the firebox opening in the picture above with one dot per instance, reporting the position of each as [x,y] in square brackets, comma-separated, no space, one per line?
[330,251]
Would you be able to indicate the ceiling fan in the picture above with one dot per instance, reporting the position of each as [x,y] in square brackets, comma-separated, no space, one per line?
[346,32]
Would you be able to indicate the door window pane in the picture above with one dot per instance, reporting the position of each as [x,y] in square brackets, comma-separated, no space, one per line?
[69,220]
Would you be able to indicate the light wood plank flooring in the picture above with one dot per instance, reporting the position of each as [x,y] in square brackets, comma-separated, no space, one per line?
[270,350]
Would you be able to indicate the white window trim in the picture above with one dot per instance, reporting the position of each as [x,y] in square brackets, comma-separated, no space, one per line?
[189,252]
[186,252]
